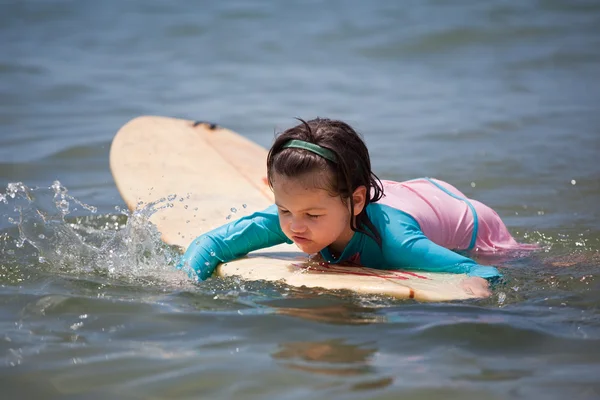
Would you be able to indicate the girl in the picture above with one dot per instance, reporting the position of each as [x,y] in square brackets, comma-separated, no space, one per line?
[328,201]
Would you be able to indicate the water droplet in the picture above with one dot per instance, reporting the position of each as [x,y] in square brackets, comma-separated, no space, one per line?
[501,297]
[233,209]
[473,184]
[244,205]
[172,197]
[228,217]
[42,236]
[63,205]
[186,206]
[573,182]
[212,253]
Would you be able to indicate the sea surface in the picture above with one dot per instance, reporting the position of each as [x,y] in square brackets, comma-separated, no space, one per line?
[499,98]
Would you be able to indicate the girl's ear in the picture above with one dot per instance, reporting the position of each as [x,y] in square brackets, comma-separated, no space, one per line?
[359,197]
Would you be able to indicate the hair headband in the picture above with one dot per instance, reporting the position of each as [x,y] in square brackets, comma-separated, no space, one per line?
[314,148]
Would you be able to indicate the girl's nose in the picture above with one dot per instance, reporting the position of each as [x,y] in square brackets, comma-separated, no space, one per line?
[296,226]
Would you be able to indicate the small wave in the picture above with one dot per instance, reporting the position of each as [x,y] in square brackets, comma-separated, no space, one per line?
[566,59]
[454,39]
[15,68]
[186,30]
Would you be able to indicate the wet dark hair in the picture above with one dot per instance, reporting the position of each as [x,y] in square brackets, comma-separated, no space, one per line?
[351,169]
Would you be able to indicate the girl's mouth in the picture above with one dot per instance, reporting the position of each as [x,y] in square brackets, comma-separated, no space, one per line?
[300,239]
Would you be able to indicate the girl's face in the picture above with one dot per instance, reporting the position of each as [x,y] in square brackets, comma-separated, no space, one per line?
[311,217]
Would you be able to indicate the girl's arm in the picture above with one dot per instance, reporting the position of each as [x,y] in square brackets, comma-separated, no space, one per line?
[406,246]
[231,241]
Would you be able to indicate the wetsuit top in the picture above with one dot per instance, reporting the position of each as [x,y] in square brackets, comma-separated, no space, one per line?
[404,245]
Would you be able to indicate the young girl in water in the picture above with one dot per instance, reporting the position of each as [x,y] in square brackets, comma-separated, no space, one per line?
[328,201]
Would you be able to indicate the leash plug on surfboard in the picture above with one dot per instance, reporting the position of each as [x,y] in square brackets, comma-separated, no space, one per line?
[210,125]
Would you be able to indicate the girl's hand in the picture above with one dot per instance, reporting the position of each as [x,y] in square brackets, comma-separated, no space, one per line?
[198,260]
[476,286]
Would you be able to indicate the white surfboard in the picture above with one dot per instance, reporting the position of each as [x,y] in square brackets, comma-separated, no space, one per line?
[215,176]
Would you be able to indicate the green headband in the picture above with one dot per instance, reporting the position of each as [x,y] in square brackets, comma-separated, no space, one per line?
[315,148]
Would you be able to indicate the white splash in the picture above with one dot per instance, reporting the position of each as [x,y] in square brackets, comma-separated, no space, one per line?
[123,245]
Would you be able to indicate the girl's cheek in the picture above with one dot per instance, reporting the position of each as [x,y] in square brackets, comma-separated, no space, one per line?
[315,224]
[284,221]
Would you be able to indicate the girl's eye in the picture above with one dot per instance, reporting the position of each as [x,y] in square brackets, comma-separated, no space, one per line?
[313,216]
[285,212]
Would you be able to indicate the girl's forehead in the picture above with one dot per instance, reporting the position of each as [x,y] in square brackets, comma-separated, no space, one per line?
[291,187]
[309,181]
[301,193]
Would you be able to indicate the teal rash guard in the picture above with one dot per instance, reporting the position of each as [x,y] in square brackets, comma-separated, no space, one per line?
[404,245]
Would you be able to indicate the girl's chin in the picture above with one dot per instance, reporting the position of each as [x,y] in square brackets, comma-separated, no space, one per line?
[309,249]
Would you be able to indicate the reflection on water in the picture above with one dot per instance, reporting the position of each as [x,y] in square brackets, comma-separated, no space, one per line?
[335,314]
[327,357]
[314,304]
[334,358]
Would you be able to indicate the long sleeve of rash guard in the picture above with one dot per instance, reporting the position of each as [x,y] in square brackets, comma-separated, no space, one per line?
[236,239]
[405,246]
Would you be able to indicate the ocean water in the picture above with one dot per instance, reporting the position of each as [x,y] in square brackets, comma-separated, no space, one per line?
[499,98]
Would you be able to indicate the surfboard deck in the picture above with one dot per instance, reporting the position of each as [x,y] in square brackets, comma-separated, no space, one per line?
[210,176]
